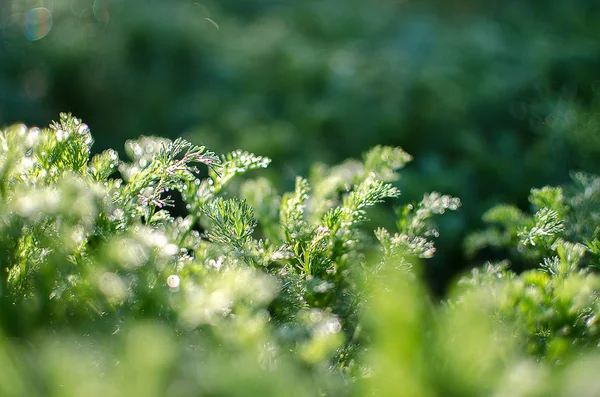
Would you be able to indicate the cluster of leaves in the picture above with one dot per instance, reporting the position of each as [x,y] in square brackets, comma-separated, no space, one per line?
[88,247]
[416,229]
[556,303]
[105,292]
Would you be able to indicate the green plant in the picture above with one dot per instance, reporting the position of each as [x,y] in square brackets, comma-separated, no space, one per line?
[105,292]
[494,99]
[556,302]
[89,247]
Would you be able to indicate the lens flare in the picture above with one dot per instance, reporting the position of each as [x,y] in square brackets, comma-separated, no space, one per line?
[38,22]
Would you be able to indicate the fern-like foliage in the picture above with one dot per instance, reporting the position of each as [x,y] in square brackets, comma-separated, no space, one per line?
[555,304]
[416,229]
[256,291]
[91,238]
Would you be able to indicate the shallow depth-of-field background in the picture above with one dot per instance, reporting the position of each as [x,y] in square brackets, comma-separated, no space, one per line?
[491,98]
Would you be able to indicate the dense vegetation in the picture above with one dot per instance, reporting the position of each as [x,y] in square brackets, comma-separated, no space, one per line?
[139,262]
[105,292]
[493,97]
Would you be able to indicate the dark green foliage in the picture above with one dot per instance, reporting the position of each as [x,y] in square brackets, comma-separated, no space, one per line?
[494,98]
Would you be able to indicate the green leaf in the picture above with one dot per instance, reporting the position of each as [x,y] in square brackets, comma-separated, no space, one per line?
[232,222]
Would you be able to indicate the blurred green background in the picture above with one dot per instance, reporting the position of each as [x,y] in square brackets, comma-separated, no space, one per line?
[490,97]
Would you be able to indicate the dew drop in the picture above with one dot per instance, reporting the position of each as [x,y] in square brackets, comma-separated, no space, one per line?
[83,128]
[173,281]
[60,135]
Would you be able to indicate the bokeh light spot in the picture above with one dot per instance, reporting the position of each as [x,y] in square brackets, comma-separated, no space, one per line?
[38,22]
